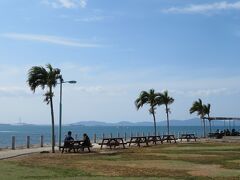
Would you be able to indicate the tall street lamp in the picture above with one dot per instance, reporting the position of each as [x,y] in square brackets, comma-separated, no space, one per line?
[60,108]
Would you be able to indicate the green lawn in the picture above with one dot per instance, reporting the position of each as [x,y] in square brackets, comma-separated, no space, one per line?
[168,161]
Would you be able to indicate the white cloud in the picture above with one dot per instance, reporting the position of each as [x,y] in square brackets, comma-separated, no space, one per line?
[68,4]
[91,89]
[116,90]
[204,8]
[204,92]
[14,91]
[91,19]
[49,39]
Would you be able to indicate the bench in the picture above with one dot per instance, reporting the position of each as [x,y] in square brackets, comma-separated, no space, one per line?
[188,137]
[112,142]
[216,135]
[138,140]
[154,139]
[169,138]
[75,146]
[68,146]
[82,147]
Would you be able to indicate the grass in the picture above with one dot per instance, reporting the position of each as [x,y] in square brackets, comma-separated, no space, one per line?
[165,161]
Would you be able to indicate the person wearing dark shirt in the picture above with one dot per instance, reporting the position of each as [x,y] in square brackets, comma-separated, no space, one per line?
[69,137]
[86,140]
[68,141]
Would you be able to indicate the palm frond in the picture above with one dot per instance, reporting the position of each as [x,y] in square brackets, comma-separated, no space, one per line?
[37,76]
[147,98]
[207,109]
[198,107]
[47,96]
[165,98]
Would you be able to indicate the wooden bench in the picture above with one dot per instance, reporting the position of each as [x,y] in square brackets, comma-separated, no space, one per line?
[216,135]
[169,138]
[154,139]
[76,146]
[188,137]
[112,142]
[68,146]
[138,140]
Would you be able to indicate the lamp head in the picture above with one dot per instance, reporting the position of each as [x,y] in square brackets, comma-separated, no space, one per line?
[72,82]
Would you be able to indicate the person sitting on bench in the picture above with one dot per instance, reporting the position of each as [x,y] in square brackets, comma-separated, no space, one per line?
[86,142]
[68,141]
[69,137]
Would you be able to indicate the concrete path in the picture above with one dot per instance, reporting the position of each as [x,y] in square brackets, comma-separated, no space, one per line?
[8,153]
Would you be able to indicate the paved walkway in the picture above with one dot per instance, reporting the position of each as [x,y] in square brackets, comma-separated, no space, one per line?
[8,153]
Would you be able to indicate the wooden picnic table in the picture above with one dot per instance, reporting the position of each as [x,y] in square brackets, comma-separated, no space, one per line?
[112,142]
[75,145]
[188,137]
[169,138]
[138,140]
[216,135]
[154,139]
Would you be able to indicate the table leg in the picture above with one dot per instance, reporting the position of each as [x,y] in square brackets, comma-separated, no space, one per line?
[116,142]
[130,142]
[123,144]
[109,142]
[146,141]
[138,142]
[102,143]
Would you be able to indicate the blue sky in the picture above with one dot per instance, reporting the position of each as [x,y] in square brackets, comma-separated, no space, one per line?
[116,49]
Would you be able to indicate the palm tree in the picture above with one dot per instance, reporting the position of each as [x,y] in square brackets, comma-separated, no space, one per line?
[166,100]
[198,107]
[150,98]
[207,110]
[39,76]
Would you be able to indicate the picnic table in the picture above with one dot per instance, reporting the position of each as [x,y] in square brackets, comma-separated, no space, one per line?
[169,138]
[138,140]
[112,142]
[188,137]
[216,135]
[75,145]
[154,139]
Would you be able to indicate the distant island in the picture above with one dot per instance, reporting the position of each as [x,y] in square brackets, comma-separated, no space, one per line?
[189,122]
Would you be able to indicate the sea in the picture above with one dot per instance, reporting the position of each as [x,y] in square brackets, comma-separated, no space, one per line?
[36,131]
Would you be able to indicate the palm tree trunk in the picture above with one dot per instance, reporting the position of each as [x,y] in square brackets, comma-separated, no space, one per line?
[204,128]
[154,120]
[167,119]
[210,125]
[52,116]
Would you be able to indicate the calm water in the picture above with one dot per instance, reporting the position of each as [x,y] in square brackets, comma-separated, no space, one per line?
[21,132]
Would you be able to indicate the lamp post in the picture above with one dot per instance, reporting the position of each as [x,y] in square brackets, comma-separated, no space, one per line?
[60,108]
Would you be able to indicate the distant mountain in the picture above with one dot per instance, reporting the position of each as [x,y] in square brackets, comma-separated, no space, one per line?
[22,124]
[189,122]
[90,123]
